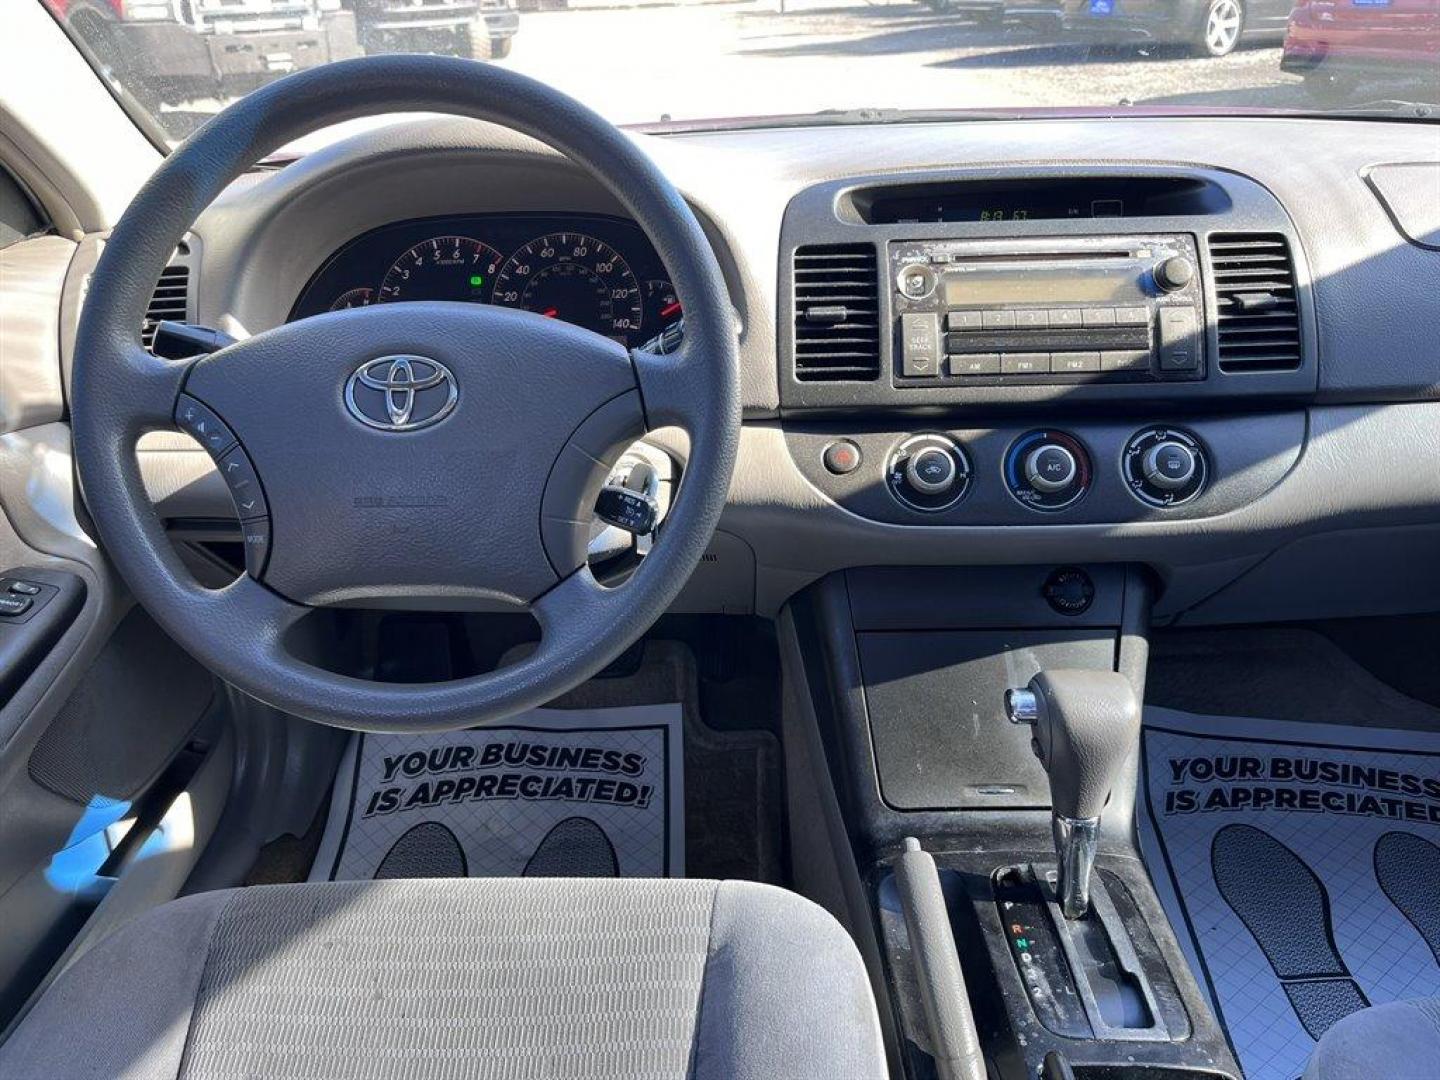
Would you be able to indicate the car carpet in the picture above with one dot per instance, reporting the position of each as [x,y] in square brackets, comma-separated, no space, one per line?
[1297,863]
[732,798]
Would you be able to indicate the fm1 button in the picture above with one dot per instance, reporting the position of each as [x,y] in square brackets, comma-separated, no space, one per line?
[841,457]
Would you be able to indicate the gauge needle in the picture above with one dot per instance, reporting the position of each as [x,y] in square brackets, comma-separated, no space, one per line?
[550,312]
[670,309]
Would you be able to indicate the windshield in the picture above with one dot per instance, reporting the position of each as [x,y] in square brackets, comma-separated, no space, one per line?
[178,61]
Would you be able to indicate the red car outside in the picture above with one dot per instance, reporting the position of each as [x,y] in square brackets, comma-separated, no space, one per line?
[1339,44]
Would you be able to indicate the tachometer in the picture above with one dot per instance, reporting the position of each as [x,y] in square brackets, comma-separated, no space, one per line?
[442,268]
[576,278]
[353,298]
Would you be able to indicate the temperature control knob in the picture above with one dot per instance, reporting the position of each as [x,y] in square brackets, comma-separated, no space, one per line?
[1047,470]
[928,472]
[1174,273]
[1165,466]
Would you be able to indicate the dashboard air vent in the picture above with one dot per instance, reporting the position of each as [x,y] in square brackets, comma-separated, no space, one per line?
[171,298]
[1257,311]
[837,313]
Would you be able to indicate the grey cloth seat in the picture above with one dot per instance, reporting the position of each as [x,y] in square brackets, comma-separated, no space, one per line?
[1399,1040]
[473,979]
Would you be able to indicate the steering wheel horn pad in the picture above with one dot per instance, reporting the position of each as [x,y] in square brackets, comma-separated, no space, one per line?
[459,476]
[448,510]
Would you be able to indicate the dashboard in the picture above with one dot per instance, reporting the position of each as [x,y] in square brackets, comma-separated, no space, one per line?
[596,271]
[923,378]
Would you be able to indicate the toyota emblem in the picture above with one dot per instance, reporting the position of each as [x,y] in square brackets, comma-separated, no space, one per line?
[401,393]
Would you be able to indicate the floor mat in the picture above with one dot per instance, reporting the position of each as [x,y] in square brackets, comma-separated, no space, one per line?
[553,793]
[1299,865]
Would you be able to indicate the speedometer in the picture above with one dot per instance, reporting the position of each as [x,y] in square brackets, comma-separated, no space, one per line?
[576,278]
[442,268]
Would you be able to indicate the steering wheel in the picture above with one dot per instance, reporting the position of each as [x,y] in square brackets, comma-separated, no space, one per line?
[420,453]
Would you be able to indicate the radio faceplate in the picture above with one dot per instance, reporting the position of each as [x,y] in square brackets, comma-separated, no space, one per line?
[1043,311]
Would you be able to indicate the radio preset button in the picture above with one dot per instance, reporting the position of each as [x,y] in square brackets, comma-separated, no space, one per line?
[1132,316]
[1031,319]
[998,320]
[975,364]
[1064,317]
[1074,363]
[1099,316]
[919,345]
[1033,363]
[963,320]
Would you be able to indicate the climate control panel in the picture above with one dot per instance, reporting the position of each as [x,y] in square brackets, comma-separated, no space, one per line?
[1089,472]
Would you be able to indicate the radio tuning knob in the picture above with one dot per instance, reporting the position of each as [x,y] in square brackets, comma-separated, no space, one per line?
[1174,273]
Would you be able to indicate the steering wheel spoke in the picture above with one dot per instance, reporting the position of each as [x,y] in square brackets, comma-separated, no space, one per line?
[148,386]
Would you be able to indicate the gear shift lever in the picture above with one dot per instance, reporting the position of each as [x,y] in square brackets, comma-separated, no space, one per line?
[1086,723]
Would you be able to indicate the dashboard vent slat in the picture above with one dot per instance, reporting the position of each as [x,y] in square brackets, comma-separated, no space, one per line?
[837,313]
[170,300]
[1256,309]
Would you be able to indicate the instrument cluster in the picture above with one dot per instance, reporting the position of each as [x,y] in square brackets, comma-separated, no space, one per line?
[597,272]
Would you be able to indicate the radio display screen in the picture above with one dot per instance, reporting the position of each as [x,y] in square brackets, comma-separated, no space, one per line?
[1042,285]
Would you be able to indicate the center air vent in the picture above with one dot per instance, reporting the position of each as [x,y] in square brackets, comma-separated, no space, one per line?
[837,313]
[171,299]
[1257,311]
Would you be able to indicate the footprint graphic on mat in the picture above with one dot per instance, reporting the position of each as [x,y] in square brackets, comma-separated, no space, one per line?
[1407,867]
[576,847]
[1285,906]
[429,850]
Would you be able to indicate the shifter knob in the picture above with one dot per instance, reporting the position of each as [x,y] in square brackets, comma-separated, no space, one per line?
[1086,723]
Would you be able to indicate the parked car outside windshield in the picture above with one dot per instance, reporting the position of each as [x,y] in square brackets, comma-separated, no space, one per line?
[176,62]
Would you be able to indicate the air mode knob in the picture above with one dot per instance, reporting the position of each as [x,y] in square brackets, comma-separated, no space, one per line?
[1165,466]
[1169,465]
[1174,273]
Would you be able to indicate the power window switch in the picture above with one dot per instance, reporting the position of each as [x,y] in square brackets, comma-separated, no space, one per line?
[11,606]
[24,588]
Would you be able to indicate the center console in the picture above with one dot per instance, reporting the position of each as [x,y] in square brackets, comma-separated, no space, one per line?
[1060,958]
